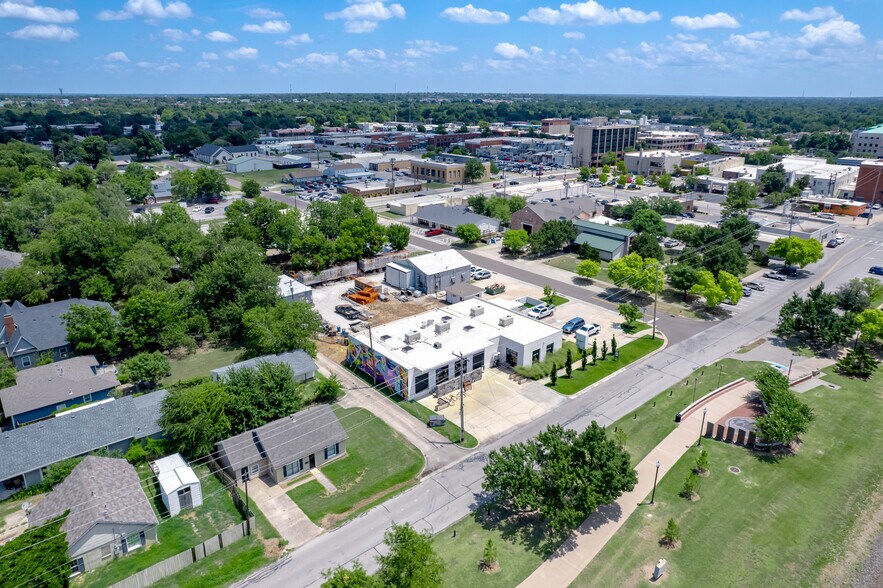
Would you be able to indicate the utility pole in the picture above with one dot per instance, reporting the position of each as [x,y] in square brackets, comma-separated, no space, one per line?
[655,300]
[462,394]
[373,356]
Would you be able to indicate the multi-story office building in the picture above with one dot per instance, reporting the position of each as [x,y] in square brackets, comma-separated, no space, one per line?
[591,142]
[868,141]
[555,126]
[670,140]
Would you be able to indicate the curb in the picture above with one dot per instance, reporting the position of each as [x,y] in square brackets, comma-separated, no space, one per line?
[604,379]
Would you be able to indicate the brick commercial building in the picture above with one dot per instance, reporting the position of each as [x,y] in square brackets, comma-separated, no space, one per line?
[445,141]
[592,142]
[869,184]
[555,126]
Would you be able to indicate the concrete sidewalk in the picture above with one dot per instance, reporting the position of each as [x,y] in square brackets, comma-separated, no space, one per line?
[282,512]
[566,563]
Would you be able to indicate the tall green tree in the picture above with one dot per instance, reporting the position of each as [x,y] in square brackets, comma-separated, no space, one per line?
[209,182]
[562,474]
[682,277]
[648,221]
[739,197]
[37,557]
[727,256]
[262,394]
[146,145]
[588,268]
[145,265]
[195,417]
[515,240]
[468,233]
[92,329]
[796,251]
[708,288]
[474,170]
[183,185]
[398,235]
[554,235]
[816,318]
[155,320]
[281,327]
[250,188]
[95,149]
[410,561]
[629,313]
[647,246]
[145,369]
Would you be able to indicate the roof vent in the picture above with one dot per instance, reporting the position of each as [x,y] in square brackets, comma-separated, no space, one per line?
[506,320]
[437,345]
[385,337]
[468,328]
[412,337]
[407,348]
[426,323]
[476,310]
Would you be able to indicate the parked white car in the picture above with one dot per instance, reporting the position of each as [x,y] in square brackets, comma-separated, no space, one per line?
[541,311]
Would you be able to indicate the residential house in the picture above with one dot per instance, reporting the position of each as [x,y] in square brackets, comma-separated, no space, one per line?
[532,217]
[429,273]
[109,515]
[179,486]
[302,366]
[611,242]
[286,447]
[30,332]
[44,390]
[234,125]
[109,424]
[448,218]
[10,259]
[247,163]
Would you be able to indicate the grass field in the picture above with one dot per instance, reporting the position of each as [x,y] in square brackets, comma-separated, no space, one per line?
[541,369]
[201,363]
[264,178]
[379,463]
[635,327]
[628,353]
[569,261]
[776,522]
[174,534]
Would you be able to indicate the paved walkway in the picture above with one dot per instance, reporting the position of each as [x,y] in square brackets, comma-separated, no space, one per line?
[323,479]
[566,563]
[291,522]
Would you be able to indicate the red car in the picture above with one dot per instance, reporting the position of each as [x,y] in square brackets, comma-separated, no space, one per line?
[214,200]
[433,232]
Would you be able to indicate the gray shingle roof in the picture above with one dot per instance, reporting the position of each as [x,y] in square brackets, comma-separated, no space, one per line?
[47,385]
[99,489]
[9,259]
[300,362]
[39,328]
[600,229]
[74,433]
[231,149]
[555,210]
[208,150]
[453,216]
[286,439]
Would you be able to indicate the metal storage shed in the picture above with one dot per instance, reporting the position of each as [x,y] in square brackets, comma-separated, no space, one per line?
[179,486]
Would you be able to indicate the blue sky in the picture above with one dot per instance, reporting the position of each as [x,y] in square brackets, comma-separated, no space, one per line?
[748,48]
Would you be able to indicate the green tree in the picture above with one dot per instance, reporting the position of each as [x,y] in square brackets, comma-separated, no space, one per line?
[852,296]
[584,174]
[689,234]
[398,236]
[281,327]
[146,145]
[95,149]
[634,271]
[562,474]
[209,182]
[329,389]
[613,345]
[554,235]
[691,486]
[702,462]
[739,197]
[708,288]
[105,170]
[594,351]
[647,246]
[183,185]
[648,221]
[478,203]
[603,350]
[858,363]
[155,320]
[145,265]
[553,375]
[639,180]
[37,557]
[682,277]
[586,251]
[468,233]
[262,394]
[815,317]
[664,181]
[515,240]
[629,313]
[787,415]
[145,369]
[489,557]
[730,285]
[603,177]
[568,364]
[583,355]
[410,561]
[357,577]
[92,329]
[741,228]
[7,374]
[712,149]
[869,322]
[727,256]
[135,182]
[588,268]
[195,417]
[250,188]
[774,179]
[672,534]
[796,251]
[474,170]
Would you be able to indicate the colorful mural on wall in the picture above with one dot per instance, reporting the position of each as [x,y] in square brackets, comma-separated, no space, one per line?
[386,371]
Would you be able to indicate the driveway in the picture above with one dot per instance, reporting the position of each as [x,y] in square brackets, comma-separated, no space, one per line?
[282,512]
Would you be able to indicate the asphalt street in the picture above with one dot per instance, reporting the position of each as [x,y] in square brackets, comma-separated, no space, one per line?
[449,494]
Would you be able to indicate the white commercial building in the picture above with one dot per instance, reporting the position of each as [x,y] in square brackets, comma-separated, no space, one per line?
[868,141]
[290,290]
[427,353]
[658,162]
[247,163]
[179,486]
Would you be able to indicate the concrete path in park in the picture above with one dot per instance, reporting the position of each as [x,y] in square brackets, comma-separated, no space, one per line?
[566,563]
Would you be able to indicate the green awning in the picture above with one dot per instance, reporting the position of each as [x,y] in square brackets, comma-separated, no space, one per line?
[598,242]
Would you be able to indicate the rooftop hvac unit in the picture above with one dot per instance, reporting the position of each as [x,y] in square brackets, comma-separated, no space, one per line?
[476,310]
[442,328]
[426,323]
[412,337]
[437,345]
[506,320]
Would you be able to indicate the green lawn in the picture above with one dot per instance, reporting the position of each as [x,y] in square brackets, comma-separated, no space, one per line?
[646,427]
[777,522]
[635,327]
[557,300]
[221,568]
[421,413]
[264,178]
[432,185]
[174,534]
[628,353]
[201,363]
[569,261]
[541,369]
[521,547]
[379,462]
[392,215]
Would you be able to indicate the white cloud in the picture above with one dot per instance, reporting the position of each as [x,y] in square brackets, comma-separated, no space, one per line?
[510,51]
[27,10]
[45,33]
[424,48]
[177,35]
[145,64]
[220,37]
[749,41]
[116,57]
[364,16]
[242,53]
[816,13]
[148,9]
[174,48]
[471,14]
[264,13]
[588,13]
[271,27]
[366,55]
[672,53]
[209,56]
[295,40]
[719,20]
[313,59]
[836,31]
[575,35]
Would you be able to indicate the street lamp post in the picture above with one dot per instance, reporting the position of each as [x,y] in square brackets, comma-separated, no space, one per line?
[790,363]
[702,427]
[655,477]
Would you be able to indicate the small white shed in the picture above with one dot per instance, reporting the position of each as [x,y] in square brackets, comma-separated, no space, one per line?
[178,483]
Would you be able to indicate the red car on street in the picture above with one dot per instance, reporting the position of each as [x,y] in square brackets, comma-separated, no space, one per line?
[433,232]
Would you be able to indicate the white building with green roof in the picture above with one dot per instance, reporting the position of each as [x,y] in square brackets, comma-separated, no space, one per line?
[868,141]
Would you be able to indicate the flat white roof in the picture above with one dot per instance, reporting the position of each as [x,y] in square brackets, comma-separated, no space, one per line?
[288,286]
[465,334]
[439,261]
